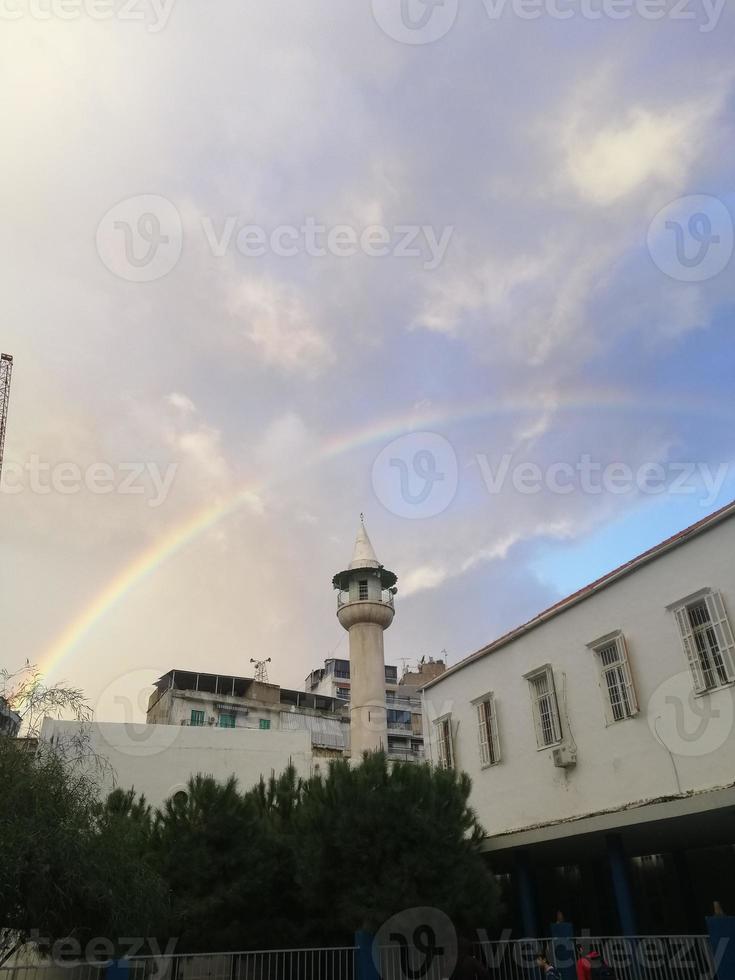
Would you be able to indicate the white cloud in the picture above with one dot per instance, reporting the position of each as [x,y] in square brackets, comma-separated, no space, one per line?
[610,161]
[181,402]
[276,321]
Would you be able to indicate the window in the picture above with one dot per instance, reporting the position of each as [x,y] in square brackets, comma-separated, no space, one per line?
[197,718]
[264,724]
[399,719]
[343,693]
[545,708]
[616,680]
[487,731]
[363,588]
[707,640]
[444,747]
[227,719]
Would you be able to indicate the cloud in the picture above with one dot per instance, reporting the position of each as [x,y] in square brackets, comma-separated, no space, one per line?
[275,320]
[546,331]
[181,402]
[611,161]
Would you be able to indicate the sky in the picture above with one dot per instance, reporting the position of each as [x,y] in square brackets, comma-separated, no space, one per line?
[465,268]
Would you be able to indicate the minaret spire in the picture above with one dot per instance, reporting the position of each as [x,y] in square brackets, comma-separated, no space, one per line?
[363,555]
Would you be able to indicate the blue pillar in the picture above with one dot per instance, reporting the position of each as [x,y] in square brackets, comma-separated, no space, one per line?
[526,893]
[721,929]
[118,970]
[621,884]
[563,951]
[366,968]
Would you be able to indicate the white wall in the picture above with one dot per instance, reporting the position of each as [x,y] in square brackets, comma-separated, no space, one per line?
[158,760]
[620,763]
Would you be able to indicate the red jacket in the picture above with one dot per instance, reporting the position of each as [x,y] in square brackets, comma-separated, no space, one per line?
[584,966]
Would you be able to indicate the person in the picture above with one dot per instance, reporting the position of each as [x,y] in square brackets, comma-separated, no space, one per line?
[547,968]
[591,966]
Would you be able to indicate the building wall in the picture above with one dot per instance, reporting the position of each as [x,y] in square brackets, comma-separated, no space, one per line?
[158,760]
[620,763]
[174,707]
[404,744]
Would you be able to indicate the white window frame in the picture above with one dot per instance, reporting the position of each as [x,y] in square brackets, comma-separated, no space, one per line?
[615,677]
[710,647]
[444,742]
[363,589]
[488,738]
[546,672]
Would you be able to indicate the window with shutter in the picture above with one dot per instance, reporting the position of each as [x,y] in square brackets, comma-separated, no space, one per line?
[616,679]
[487,731]
[443,741]
[545,707]
[707,638]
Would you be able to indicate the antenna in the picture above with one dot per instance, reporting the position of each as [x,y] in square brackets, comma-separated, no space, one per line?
[6,372]
[261,671]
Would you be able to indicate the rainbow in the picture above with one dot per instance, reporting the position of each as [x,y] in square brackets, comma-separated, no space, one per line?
[421,418]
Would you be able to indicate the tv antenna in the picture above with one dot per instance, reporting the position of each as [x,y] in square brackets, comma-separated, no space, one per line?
[261,671]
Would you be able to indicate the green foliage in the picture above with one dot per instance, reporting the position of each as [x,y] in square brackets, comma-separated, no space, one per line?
[68,865]
[376,839]
[307,862]
[288,863]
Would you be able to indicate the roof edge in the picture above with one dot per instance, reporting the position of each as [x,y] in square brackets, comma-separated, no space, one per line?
[668,544]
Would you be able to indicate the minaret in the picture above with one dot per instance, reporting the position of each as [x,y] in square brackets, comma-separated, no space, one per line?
[365,609]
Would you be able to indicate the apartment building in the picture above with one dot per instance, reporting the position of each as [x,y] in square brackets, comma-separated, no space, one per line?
[402,700]
[198,700]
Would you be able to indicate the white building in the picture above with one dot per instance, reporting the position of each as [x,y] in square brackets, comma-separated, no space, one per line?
[159,760]
[600,739]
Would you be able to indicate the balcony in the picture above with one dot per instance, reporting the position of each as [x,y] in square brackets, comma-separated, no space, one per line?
[399,726]
[405,755]
[386,598]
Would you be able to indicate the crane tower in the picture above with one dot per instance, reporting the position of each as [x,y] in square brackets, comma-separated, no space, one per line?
[6,370]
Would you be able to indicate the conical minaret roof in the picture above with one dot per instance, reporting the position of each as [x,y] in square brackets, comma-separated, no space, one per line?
[363,555]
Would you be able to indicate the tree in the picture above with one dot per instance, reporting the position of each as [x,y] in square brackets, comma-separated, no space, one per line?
[69,867]
[27,693]
[375,839]
[225,862]
[295,862]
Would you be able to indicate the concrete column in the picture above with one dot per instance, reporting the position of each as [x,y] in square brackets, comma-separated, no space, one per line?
[621,884]
[365,966]
[564,954]
[368,717]
[526,893]
[721,929]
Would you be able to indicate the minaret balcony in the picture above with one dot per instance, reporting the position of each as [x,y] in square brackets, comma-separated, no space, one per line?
[386,599]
